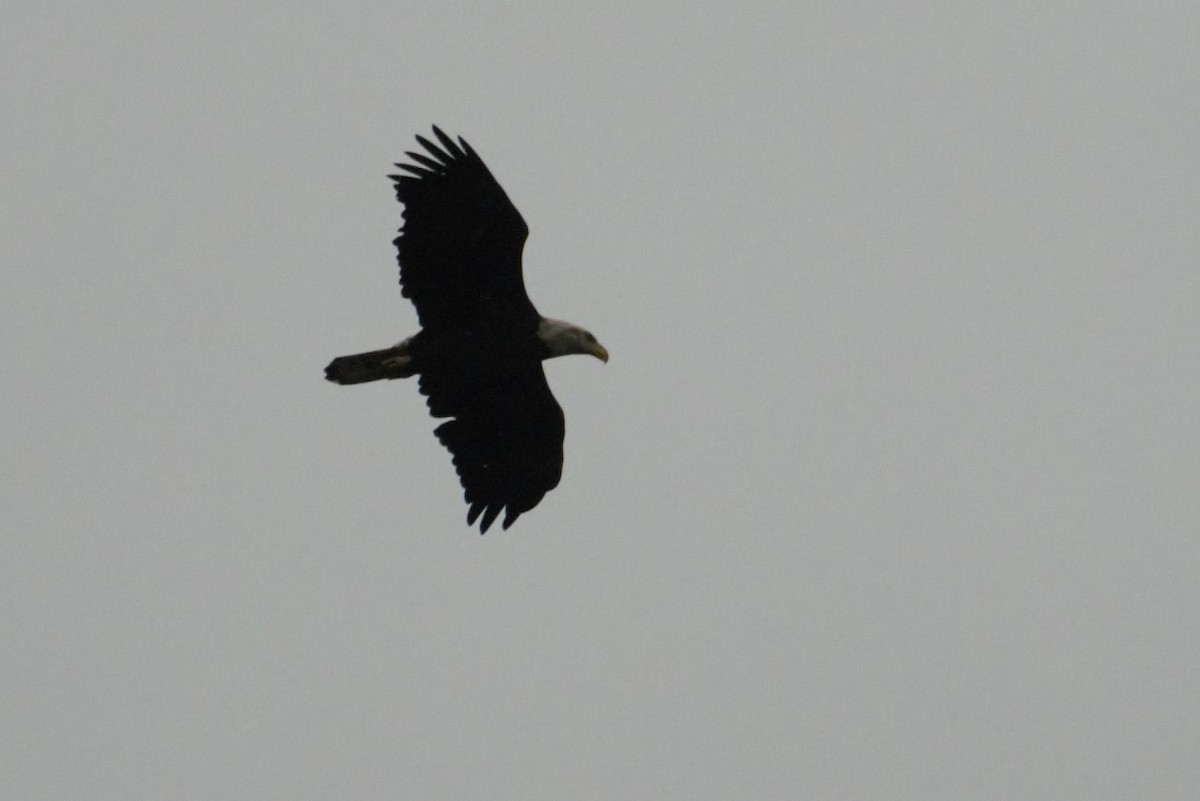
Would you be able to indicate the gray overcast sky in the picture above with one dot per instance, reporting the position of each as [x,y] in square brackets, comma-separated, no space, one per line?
[889,491]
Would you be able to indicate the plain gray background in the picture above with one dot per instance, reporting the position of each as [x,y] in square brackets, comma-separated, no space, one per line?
[889,490]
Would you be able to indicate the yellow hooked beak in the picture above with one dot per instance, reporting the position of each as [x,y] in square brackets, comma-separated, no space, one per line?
[600,353]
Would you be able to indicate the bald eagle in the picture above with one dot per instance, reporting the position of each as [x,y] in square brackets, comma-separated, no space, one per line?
[480,348]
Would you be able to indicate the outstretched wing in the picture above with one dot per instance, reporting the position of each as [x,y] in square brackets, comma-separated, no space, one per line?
[460,246]
[507,433]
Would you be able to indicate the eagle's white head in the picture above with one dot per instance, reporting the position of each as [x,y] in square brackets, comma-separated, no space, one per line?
[563,339]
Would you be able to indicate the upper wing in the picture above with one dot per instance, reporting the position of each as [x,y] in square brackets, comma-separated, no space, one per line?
[507,433]
[460,247]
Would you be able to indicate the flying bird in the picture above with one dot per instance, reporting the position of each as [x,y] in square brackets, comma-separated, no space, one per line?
[479,351]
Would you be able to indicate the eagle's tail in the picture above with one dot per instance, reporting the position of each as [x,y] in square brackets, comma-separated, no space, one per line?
[393,362]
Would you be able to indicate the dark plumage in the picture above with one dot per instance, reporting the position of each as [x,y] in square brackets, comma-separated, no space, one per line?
[481,345]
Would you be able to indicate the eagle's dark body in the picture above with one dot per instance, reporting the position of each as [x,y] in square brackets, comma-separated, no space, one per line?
[480,349]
